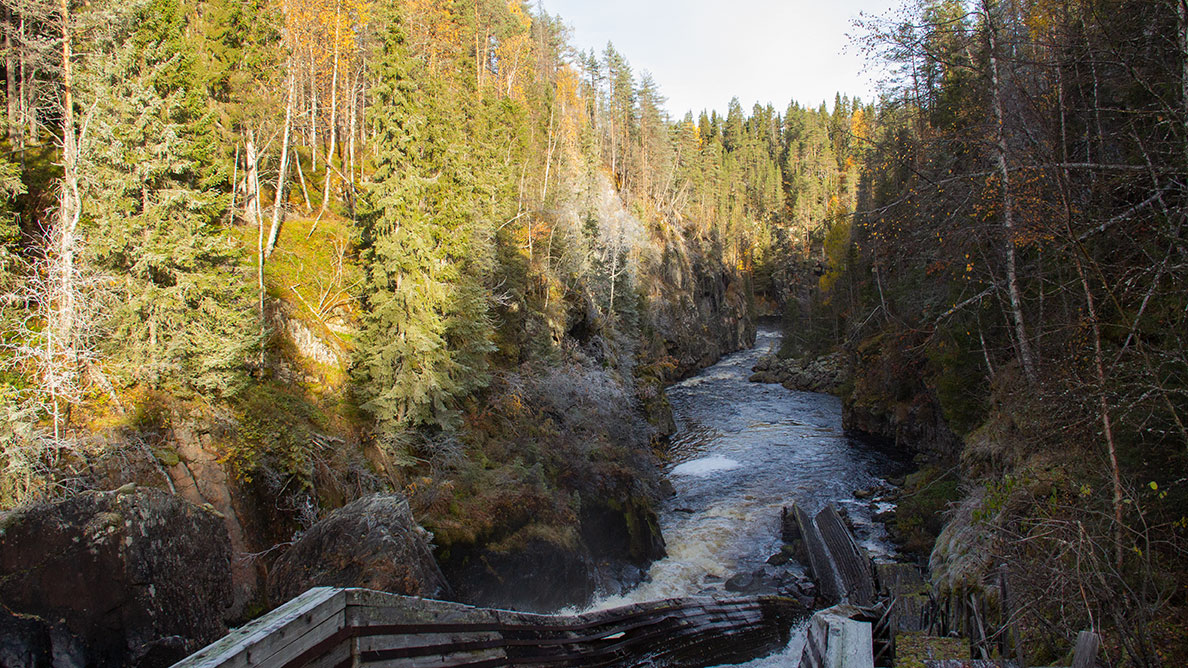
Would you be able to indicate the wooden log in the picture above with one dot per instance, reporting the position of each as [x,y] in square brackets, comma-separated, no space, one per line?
[820,564]
[1085,653]
[851,562]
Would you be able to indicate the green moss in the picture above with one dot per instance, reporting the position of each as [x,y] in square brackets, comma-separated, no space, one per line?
[167,456]
[559,535]
[275,432]
[920,515]
[913,649]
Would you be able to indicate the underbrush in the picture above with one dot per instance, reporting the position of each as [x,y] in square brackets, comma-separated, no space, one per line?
[546,440]
[1042,509]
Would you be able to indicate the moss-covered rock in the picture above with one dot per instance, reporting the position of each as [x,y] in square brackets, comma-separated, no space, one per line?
[922,509]
[891,399]
[134,577]
[373,543]
[827,373]
[913,649]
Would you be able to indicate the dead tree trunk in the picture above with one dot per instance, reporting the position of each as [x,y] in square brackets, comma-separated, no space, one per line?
[10,72]
[333,127]
[61,340]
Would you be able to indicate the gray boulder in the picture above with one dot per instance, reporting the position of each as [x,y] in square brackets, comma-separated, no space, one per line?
[373,542]
[135,577]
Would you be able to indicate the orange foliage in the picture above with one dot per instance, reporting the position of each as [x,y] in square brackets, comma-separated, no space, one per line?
[433,30]
[319,28]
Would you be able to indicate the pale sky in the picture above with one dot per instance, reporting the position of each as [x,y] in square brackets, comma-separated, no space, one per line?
[704,52]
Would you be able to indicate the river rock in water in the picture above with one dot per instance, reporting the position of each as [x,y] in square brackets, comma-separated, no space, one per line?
[373,542]
[825,374]
[129,578]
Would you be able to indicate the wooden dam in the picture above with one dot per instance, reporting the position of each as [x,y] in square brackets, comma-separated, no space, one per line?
[872,609]
[332,627]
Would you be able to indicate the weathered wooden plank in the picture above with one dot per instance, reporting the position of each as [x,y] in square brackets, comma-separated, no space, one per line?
[368,620]
[898,579]
[851,562]
[312,643]
[337,657]
[366,608]
[820,563]
[428,643]
[295,622]
[966,663]
[1085,652]
[836,641]
[477,660]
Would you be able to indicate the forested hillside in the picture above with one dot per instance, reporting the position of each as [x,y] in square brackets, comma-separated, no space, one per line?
[1012,295]
[273,256]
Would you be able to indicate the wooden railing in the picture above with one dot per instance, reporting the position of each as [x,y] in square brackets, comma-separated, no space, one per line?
[328,627]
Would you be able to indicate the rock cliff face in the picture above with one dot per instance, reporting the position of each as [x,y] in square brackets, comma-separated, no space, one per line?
[699,310]
[915,423]
[373,542]
[890,400]
[200,477]
[711,320]
[125,578]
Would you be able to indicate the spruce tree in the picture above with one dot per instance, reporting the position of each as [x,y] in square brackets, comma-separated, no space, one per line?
[427,332]
[181,313]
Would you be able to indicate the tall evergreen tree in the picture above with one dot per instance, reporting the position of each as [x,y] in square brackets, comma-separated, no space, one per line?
[182,314]
[427,332]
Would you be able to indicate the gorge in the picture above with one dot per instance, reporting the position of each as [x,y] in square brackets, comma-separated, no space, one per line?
[417,296]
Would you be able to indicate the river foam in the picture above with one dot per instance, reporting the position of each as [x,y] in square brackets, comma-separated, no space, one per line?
[705,466]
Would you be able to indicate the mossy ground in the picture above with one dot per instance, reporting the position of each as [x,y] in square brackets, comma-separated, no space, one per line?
[913,649]
[920,515]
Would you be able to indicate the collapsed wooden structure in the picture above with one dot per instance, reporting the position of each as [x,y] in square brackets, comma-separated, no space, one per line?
[331,627]
[871,607]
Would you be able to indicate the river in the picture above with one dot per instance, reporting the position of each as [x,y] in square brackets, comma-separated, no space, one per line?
[742,451]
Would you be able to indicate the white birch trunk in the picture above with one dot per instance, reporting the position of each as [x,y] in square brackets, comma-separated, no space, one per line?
[278,203]
[1001,160]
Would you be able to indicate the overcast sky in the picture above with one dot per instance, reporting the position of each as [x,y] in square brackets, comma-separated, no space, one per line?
[704,52]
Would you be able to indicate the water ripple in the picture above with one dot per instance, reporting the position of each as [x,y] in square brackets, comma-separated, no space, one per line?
[741,453]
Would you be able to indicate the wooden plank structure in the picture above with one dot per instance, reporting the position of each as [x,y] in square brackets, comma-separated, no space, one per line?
[820,562]
[837,640]
[850,561]
[331,627]
[1085,651]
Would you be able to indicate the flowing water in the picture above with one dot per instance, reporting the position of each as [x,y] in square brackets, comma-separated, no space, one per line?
[743,451]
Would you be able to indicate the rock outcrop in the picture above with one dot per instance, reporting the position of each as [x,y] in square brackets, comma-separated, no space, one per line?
[543,569]
[916,423]
[531,571]
[892,399]
[826,373]
[700,311]
[135,577]
[373,542]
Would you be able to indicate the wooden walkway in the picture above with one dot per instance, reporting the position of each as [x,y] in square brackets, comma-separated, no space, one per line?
[330,627]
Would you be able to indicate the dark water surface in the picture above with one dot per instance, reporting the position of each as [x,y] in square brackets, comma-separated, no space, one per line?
[743,451]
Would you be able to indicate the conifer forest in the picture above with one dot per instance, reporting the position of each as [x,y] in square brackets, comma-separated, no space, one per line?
[261,260]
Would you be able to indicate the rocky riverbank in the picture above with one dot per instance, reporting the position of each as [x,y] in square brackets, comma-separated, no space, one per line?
[826,374]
